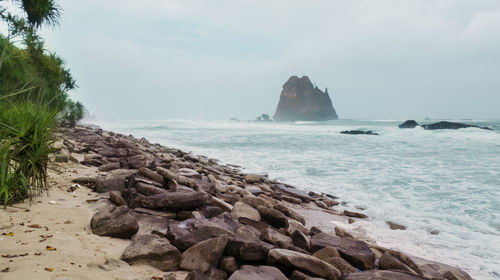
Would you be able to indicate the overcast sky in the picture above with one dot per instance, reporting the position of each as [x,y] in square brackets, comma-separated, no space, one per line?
[380,59]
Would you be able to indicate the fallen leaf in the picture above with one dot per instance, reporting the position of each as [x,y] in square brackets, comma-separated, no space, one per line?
[46,235]
[45,239]
[34,226]
[23,255]
[50,248]
[156,278]
[5,269]
[38,254]
[29,230]
[49,269]
[68,222]
[8,256]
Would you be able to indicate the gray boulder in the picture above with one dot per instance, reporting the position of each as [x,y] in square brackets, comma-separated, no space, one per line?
[115,222]
[249,272]
[152,250]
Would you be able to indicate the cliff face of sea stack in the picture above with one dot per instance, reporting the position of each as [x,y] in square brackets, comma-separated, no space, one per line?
[300,100]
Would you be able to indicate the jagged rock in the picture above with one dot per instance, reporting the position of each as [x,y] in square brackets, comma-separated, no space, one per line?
[388,261]
[170,200]
[357,253]
[229,264]
[272,236]
[432,269]
[116,222]
[358,132]
[183,235]
[152,250]
[116,198]
[241,209]
[274,217]
[296,260]
[109,166]
[355,214]
[395,226]
[409,124]
[152,224]
[297,275]
[450,125]
[248,272]
[382,275]
[301,101]
[114,181]
[204,255]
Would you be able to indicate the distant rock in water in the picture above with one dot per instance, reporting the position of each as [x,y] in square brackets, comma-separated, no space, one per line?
[358,132]
[450,125]
[409,124]
[300,100]
[264,118]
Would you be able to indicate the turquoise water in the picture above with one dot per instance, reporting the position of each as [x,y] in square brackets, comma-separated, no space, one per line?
[446,180]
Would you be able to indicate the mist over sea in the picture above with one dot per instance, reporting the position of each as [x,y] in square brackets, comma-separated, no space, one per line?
[444,180]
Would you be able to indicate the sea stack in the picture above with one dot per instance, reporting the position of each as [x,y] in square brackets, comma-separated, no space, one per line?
[300,100]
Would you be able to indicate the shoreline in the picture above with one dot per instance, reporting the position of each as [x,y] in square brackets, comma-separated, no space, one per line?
[317,210]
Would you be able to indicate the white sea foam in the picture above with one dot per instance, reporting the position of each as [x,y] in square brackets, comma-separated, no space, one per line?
[446,180]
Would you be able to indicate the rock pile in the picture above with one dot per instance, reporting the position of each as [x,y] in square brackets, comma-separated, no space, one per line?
[200,220]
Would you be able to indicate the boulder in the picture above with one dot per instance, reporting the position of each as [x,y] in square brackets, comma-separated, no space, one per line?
[300,100]
[296,260]
[241,209]
[388,261]
[229,264]
[204,255]
[395,226]
[450,125]
[355,214]
[332,256]
[432,269]
[170,200]
[253,201]
[301,240]
[111,152]
[272,236]
[116,198]
[409,124]
[297,275]
[183,235]
[357,253]
[211,211]
[290,213]
[382,275]
[294,192]
[114,181]
[116,222]
[152,250]
[148,173]
[247,251]
[358,132]
[273,217]
[253,178]
[249,272]
[149,224]
[109,166]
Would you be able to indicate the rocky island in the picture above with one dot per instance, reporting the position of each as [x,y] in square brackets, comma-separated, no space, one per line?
[300,100]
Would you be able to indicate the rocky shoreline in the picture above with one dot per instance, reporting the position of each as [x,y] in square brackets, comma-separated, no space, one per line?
[196,219]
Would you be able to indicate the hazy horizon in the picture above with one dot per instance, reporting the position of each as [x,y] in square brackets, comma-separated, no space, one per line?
[221,59]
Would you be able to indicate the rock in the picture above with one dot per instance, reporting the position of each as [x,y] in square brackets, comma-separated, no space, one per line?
[357,253]
[304,262]
[241,209]
[291,199]
[274,217]
[253,178]
[450,125]
[432,269]
[152,250]
[314,231]
[109,166]
[248,272]
[116,222]
[216,274]
[248,233]
[290,213]
[272,236]
[204,255]
[178,275]
[340,232]
[211,211]
[382,275]
[253,201]
[301,240]
[332,256]
[294,192]
[92,160]
[109,265]
[148,173]
[62,156]
[147,189]
[247,251]
[297,275]
[137,161]
[254,190]
[229,264]
[149,224]
[409,124]
[301,101]
[260,226]
[116,198]
[355,214]
[189,173]
[388,261]
[111,152]
[358,132]
[182,235]
[170,200]
[395,226]
[114,181]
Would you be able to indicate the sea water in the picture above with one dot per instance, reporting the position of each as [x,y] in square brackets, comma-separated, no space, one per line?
[442,181]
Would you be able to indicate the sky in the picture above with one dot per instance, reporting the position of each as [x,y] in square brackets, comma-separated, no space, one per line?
[217,59]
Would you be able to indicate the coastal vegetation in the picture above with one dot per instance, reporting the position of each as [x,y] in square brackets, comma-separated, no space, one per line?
[34,86]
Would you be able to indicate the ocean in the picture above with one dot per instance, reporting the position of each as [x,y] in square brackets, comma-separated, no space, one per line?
[441,181]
